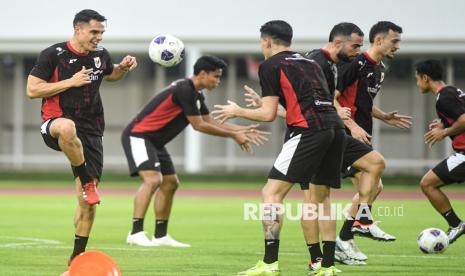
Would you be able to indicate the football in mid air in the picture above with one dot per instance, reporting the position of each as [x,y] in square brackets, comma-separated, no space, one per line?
[166,50]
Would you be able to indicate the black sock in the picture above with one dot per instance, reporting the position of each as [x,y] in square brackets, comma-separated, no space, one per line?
[137,225]
[364,219]
[315,251]
[329,247]
[84,176]
[346,231]
[161,228]
[80,244]
[452,218]
[271,251]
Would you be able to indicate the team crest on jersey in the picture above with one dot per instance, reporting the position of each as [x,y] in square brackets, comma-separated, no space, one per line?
[97,62]
[198,104]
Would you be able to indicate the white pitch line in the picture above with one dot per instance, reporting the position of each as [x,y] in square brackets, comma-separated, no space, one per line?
[141,249]
[432,256]
[30,241]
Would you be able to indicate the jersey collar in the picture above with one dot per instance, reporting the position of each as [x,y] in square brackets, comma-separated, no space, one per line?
[68,44]
[327,54]
[367,56]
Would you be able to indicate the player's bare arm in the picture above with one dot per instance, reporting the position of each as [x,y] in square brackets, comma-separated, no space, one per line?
[266,113]
[438,133]
[254,100]
[120,70]
[355,130]
[392,118]
[39,88]
[256,136]
[199,124]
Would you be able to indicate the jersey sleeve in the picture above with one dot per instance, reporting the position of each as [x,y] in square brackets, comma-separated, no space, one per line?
[449,105]
[347,74]
[269,80]
[188,101]
[45,65]
[109,64]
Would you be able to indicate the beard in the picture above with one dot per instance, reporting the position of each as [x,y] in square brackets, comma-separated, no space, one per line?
[343,57]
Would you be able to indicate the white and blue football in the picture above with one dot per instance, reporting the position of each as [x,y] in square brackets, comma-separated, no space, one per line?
[166,50]
[433,240]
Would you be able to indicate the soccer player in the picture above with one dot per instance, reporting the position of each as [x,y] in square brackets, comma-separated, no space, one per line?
[450,107]
[345,41]
[359,82]
[162,119]
[314,143]
[344,44]
[67,77]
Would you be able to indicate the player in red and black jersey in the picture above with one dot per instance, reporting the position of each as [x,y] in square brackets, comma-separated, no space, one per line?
[67,77]
[345,41]
[450,108]
[163,118]
[314,143]
[359,82]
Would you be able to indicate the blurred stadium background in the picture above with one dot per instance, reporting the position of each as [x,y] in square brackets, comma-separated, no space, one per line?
[228,29]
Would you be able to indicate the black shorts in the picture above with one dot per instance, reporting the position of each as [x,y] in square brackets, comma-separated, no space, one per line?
[452,169]
[91,144]
[311,156]
[355,149]
[143,155]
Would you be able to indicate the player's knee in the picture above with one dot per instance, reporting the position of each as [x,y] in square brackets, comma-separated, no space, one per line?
[380,187]
[425,184]
[379,164]
[67,130]
[270,195]
[153,182]
[171,185]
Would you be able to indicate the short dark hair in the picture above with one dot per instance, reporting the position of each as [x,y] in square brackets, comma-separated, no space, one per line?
[431,68]
[344,29]
[86,16]
[383,27]
[280,31]
[208,64]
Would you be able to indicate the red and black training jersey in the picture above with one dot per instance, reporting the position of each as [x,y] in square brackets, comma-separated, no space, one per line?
[165,116]
[450,105]
[329,67]
[359,82]
[82,104]
[302,89]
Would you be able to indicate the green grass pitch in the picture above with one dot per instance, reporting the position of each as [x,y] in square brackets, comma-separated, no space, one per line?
[36,238]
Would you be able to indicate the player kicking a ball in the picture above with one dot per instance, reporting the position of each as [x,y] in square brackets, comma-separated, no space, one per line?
[450,107]
[162,119]
[67,76]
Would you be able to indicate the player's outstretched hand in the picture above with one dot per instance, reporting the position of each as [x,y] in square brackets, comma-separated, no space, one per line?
[343,112]
[434,135]
[128,63]
[251,97]
[397,120]
[360,134]
[81,78]
[241,138]
[256,136]
[436,123]
[225,112]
